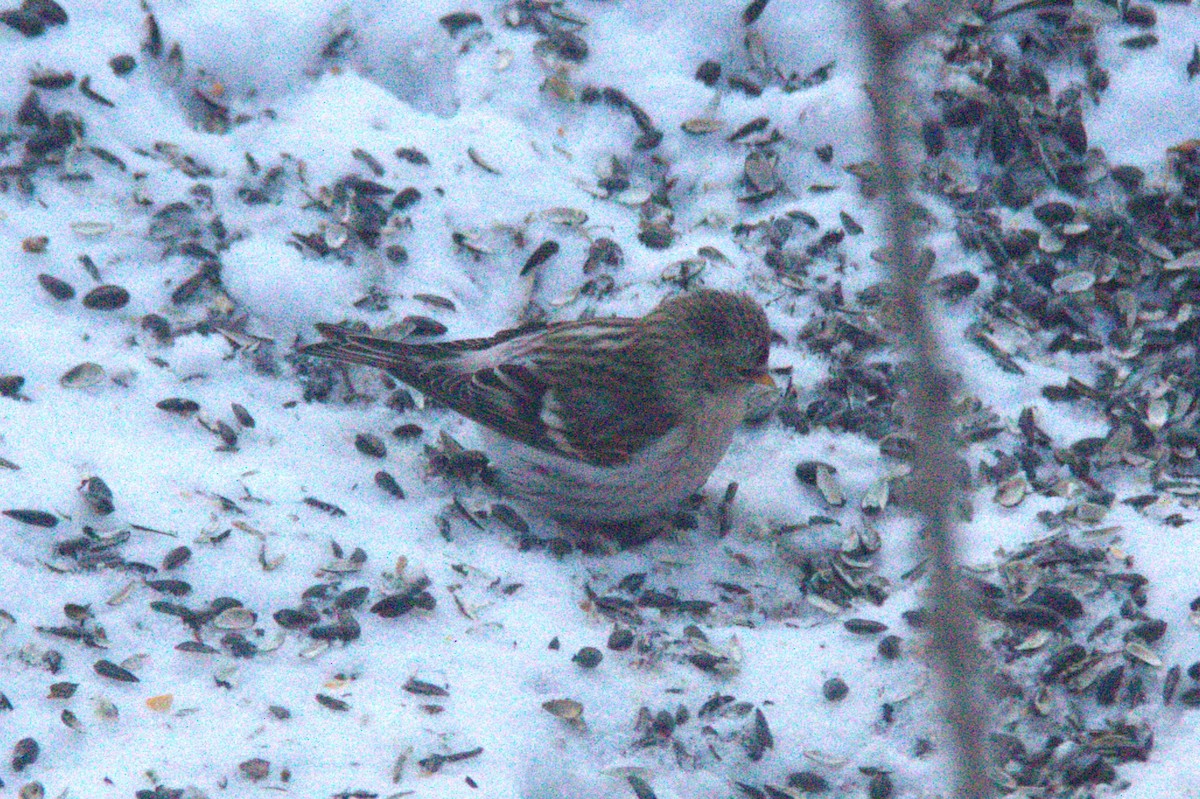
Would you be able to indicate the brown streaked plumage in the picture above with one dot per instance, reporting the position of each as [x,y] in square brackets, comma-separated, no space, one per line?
[594,406]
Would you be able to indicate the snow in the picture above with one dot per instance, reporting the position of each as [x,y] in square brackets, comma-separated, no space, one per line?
[402,81]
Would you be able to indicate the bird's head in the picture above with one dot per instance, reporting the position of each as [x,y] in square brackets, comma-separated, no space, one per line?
[716,341]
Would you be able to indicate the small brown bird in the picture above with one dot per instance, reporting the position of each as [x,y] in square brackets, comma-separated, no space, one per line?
[599,420]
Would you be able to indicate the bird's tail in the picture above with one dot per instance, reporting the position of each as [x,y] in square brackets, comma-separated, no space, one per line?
[342,345]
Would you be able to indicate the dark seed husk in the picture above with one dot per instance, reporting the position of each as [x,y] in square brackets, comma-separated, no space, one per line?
[153,43]
[196,648]
[176,558]
[753,11]
[835,689]
[325,507]
[1149,631]
[708,73]
[588,657]
[344,629]
[172,587]
[421,688]
[435,300]
[753,126]
[52,79]
[880,786]
[620,639]
[23,22]
[656,238]
[808,782]
[48,11]
[1034,616]
[864,626]
[398,604]
[434,763]
[1170,683]
[223,603]
[406,198]
[63,690]
[255,769]
[423,326]
[1060,600]
[603,252]
[459,21]
[106,668]
[760,738]
[1190,697]
[509,518]
[349,600]
[10,385]
[106,298]
[544,252]
[157,326]
[172,609]
[242,415]
[223,431]
[333,703]
[1054,213]
[31,113]
[290,619]
[38,518]
[97,494]
[889,647]
[1140,42]
[407,432]
[1108,684]
[122,65]
[177,405]
[57,288]
[25,753]
[389,484]
[85,88]
[640,788]
[370,444]
[238,645]
[565,45]
[412,155]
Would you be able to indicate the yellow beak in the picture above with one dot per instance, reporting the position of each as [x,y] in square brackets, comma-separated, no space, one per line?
[765,379]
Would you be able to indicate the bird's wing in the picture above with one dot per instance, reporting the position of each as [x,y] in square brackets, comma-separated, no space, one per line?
[521,384]
[471,376]
[600,403]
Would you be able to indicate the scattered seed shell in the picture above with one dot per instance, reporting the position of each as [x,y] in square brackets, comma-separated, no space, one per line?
[700,126]
[91,229]
[235,618]
[106,668]
[565,709]
[106,298]
[84,375]
[35,244]
[36,518]
[56,288]
[24,753]
[1139,651]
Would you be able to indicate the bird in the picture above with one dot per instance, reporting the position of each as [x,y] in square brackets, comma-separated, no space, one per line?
[603,420]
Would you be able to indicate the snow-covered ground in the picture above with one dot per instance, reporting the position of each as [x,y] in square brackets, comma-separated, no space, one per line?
[211,185]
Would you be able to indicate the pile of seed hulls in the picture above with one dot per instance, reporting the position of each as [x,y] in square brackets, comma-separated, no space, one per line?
[1084,257]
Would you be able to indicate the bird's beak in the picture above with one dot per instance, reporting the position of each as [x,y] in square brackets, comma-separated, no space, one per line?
[765,379]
